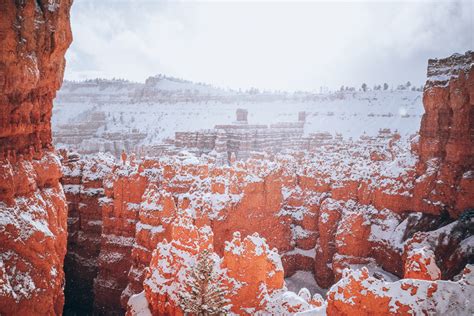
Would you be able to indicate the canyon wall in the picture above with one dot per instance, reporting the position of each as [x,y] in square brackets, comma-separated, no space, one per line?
[34,36]
[447,133]
[83,182]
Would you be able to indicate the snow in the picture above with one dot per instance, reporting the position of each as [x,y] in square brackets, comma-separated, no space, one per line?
[35,219]
[447,297]
[310,253]
[53,272]
[299,232]
[467,245]
[53,5]
[16,279]
[324,217]
[279,302]
[428,258]
[305,294]
[139,305]
[468,174]
[375,270]
[388,228]
[111,257]
[153,229]
[304,279]
[119,240]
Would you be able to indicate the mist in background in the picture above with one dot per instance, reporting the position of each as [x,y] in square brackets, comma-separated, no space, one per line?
[282,45]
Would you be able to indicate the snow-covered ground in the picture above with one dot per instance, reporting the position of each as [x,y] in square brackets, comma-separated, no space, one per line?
[162,107]
[304,279]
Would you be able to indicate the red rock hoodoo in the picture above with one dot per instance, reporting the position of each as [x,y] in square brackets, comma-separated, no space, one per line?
[34,36]
[253,273]
[447,134]
[342,205]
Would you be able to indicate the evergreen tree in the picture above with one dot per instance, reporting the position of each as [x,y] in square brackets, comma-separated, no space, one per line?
[208,293]
[385,86]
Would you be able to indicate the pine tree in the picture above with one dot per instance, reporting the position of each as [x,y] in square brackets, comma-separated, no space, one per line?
[207,294]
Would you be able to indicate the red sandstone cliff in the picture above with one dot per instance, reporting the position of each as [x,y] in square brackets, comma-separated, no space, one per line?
[34,36]
[447,134]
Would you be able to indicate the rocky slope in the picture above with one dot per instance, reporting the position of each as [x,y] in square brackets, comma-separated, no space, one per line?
[34,36]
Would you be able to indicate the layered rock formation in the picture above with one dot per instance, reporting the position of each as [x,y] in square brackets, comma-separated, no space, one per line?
[83,187]
[241,139]
[165,114]
[397,206]
[447,133]
[123,194]
[34,36]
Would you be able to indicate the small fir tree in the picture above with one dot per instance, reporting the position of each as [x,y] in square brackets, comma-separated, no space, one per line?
[207,294]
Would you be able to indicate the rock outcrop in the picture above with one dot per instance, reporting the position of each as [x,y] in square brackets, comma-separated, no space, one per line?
[257,272]
[359,293]
[34,36]
[241,139]
[169,268]
[447,134]
[123,194]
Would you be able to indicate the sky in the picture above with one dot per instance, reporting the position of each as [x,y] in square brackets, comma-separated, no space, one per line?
[277,45]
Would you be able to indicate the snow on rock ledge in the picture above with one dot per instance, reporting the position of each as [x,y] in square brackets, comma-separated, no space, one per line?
[357,293]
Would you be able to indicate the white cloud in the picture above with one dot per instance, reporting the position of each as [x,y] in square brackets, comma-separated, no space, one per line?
[267,44]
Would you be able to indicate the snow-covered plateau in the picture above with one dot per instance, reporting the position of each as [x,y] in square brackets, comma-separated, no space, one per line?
[114,115]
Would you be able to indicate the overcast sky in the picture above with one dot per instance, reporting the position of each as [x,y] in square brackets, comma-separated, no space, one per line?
[268,44]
